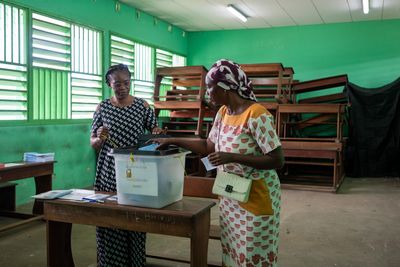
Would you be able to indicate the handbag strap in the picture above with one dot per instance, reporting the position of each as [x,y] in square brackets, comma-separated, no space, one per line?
[219,148]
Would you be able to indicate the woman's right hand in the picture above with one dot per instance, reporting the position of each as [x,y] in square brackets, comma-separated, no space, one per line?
[102,133]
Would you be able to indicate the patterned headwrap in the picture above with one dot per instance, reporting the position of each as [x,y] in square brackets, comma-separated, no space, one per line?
[229,76]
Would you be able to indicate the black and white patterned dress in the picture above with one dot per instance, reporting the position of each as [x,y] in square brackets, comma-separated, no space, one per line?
[118,247]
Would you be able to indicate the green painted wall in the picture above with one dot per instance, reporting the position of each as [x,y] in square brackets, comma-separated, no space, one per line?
[75,165]
[369,52]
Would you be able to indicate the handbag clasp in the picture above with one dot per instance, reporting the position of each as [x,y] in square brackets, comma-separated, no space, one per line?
[229,188]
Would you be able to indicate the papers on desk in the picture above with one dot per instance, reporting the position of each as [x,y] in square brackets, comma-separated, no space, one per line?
[78,194]
[96,197]
[75,194]
[12,164]
[113,198]
[53,194]
[38,157]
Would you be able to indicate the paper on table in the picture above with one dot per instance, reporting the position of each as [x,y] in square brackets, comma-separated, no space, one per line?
[12,164]
[113,198]
[95,197]
[53,194]
[208,164]
[78,194]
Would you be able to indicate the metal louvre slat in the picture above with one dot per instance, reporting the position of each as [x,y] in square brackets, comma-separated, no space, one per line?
[86,93]
[13,91]
[42,35]
[51,43]
[122,47]
[123,52]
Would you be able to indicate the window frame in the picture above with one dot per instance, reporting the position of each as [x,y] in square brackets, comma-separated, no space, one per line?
[19,64]
[105,47]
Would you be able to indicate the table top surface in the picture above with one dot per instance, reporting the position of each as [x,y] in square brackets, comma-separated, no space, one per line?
[23,164]
[187,207]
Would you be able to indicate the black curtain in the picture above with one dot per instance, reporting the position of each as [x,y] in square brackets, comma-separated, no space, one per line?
[373,148]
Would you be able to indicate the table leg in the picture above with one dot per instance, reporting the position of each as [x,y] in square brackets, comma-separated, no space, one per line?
[43,184]
[7,196]
[59,252]
[199,240]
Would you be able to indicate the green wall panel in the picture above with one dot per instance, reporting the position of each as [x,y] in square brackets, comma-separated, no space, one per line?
[75,167]
[367,51]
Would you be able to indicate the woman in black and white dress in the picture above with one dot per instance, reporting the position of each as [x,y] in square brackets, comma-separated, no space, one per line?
[119,121]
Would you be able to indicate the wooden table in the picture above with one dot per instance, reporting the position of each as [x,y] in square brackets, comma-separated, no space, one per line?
[42,173]
[185,218]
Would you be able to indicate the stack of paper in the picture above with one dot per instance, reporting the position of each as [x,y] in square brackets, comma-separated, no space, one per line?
[38,157]
[76,194]
[53,194]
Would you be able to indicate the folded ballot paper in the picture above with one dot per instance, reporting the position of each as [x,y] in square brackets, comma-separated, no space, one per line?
[38,157]
[151,147]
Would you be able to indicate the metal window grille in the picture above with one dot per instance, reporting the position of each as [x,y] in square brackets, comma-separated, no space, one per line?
[13,63]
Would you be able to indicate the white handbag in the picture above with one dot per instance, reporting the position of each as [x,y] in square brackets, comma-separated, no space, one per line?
[232,186]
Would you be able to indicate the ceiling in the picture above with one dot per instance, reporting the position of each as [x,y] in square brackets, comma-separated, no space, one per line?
[205,15]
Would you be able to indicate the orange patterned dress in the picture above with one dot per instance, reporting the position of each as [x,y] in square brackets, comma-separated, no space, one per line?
[250,235]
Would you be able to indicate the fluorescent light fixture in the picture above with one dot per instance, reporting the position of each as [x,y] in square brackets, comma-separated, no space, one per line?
[365,4]
[236,12]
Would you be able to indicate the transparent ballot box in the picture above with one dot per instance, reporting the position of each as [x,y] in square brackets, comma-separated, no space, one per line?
[149,178]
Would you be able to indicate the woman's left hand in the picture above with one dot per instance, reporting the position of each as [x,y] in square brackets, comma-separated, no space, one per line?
[218,158]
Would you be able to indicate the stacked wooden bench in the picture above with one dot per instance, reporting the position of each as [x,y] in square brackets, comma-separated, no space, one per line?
[298,118]
[272,83]
[314,161]
[311,161]
[184,100]
[321,86]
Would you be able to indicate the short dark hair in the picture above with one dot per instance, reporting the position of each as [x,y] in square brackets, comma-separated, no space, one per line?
[114,68]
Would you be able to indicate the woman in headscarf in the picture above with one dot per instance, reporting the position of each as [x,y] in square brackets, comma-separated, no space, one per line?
[242,141]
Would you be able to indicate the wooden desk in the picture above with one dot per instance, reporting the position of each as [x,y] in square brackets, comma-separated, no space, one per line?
[42,173]
[185,218]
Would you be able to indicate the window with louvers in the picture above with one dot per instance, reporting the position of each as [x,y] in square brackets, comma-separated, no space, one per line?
[86,71]
[139,59]
[67,69]
[143,83]
[13,63]
[123,52]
